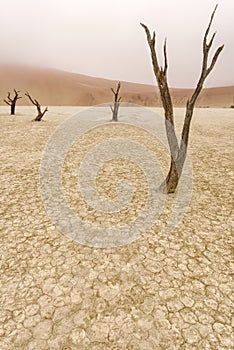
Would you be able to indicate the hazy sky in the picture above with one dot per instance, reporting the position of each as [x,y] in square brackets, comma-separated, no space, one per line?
[103,37]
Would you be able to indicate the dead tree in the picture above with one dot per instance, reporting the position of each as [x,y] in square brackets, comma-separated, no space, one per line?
[178,149]
[37,104]
[12,101]
[116,103]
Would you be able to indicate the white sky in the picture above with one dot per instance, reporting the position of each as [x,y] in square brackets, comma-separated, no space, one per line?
[103,37]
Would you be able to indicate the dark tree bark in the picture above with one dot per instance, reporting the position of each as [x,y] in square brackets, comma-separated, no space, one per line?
[178,149]
[40,114]
[115,107]
[12,101]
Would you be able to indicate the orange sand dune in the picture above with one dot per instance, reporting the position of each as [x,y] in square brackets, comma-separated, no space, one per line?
[59,88]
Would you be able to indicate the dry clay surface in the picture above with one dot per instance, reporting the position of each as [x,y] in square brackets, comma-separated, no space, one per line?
[163,291]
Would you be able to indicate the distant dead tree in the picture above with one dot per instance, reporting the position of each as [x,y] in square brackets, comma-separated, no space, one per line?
[12,101]
[178,150]
[116,103]
[37,104]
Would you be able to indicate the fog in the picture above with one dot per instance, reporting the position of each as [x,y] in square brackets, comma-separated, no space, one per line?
[104,38]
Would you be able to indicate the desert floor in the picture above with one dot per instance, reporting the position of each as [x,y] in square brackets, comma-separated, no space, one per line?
[163,291]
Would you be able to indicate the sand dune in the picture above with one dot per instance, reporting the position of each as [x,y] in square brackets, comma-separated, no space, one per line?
[54,87]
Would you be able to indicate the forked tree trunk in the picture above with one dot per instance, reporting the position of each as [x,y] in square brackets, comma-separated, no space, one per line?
[178,151]
[13,108]
[115,112]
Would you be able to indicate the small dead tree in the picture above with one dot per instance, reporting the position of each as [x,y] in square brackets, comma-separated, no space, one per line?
[12,101]
[178,150]
[116,103]
[37,104]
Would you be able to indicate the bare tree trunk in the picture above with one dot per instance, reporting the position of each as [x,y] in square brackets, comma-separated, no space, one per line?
[116,103]
[37,104]
[115,112]
[12,101]
[172,179]
[13,109]
[40,115]
[179,151]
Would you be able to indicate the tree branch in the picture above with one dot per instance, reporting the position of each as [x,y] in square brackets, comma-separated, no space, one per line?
[165,57]
[34,102]
[209,25]
[161,77]
[45,110]
[151,42]
[211,40]
[205,70]
[204,73]
[214,59]
[16,97]
[9,97]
